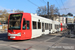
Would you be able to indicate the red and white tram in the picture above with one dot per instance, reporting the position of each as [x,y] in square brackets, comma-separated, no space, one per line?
[22,26]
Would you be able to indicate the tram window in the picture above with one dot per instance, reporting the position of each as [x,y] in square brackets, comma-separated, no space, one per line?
[59,26]
[55,26]
[51,26]
[43,29]
[24,24]
[39,25]
[45,25]
[28,25]
[48,26]
[34,25]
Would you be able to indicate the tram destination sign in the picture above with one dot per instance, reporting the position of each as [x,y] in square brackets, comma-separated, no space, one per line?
[16,15]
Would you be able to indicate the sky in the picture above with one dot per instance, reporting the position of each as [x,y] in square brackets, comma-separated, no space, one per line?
[28,7]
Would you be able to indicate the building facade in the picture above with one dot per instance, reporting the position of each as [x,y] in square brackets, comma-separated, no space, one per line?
[63,19]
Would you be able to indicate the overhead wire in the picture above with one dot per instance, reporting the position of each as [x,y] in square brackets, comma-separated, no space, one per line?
[33,3]
[57,3]
[64,6]
[44,1]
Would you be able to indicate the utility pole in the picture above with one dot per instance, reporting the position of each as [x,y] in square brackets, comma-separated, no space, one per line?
[48,9]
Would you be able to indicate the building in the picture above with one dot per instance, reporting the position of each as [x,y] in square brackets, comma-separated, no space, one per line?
[64,19]
[70,19]
[60,19]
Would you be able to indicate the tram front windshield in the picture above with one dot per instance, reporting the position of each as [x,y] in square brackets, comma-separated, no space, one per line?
[15,21]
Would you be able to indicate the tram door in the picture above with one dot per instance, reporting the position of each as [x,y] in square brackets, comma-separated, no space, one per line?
[43,27]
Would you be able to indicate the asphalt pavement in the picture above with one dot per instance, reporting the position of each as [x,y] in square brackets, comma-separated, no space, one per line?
[57,41]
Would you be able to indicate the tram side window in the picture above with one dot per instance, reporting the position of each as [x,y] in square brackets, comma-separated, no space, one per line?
[24,24]
[59,26]
[48,26]
[28,25]
[34,25]
[51,26]
[55,26]
[43,29]
[45,25]
[39,25]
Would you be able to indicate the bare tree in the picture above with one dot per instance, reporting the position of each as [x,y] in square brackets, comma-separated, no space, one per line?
[52,11]
[5,14]
[18,11]
[42,10]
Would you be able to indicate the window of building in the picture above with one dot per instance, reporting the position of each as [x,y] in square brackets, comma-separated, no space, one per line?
[34,25]
[39,25]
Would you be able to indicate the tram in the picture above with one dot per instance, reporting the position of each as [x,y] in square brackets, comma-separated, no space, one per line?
[22,26]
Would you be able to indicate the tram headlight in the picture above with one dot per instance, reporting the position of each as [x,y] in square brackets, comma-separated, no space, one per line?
[19,33]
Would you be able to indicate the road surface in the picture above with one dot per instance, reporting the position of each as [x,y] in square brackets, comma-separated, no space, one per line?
[46,42]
